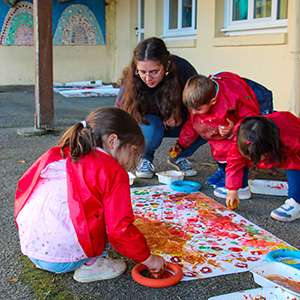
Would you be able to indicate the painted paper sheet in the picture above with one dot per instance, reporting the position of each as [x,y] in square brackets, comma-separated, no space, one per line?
[200,234]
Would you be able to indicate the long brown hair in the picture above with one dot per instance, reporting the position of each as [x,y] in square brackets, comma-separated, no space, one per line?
[166,96]
[81,139]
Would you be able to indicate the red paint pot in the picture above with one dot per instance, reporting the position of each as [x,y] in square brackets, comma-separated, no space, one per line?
[171,276]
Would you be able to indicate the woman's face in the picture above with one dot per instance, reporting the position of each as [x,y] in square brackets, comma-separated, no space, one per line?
[151,72]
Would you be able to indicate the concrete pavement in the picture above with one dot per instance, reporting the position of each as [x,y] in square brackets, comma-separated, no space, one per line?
[20,280]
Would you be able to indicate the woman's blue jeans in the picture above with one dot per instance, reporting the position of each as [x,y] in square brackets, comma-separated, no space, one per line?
[155,131]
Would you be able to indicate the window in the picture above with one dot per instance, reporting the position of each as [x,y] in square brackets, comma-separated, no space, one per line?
[180,17]
[255,16]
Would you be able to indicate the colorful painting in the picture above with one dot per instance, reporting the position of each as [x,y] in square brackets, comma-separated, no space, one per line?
[17,27]
[198,233]
[78,26]
[77,22]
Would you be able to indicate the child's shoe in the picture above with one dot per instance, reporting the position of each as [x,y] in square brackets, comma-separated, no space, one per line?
[214,179]
[145,169]
[287,212]
[243,193]
[103,268]
[182,164]
[220,183]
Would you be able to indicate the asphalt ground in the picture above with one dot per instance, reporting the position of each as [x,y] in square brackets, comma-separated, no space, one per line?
[20,280]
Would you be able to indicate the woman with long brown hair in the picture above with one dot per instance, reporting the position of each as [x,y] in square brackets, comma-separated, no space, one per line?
[151,92]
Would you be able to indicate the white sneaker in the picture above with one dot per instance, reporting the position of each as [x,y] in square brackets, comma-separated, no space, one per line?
[287,212]
[145,169]
[103,268]
[244,193]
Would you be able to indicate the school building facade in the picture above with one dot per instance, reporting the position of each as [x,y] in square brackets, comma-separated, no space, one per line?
[258,39]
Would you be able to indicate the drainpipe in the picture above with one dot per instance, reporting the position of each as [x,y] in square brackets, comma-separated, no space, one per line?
[294,39]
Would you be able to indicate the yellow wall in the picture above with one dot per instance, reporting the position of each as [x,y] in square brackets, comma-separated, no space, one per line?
[126,21]
[70,63]
[269,58]
[264,58]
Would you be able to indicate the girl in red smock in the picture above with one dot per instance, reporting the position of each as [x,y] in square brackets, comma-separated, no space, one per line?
[272,141]
[76,198]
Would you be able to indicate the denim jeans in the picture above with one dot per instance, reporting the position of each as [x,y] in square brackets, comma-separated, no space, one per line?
[293,178]
[54,267]
[155,131]
[63,267]
[245,175]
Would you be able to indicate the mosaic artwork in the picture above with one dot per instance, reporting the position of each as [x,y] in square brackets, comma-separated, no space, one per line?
[17,28]
[78,26]
[198,233]
[77,22]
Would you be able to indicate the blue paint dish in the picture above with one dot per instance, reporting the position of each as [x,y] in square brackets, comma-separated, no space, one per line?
[286,256]
[185,186]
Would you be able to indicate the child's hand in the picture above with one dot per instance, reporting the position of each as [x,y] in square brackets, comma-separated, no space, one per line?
[175,151]
[226,131]
[232,199]
[155,264]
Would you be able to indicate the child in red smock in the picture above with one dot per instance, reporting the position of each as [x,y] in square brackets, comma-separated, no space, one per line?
[76,198]
[272,141]
[215,105]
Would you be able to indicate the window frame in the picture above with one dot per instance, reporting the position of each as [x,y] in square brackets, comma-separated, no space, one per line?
[179,31]
[251,25]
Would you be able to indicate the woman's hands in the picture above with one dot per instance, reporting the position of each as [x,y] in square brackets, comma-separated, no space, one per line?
[232,199]
[173,121]
[226,131]
[155,264]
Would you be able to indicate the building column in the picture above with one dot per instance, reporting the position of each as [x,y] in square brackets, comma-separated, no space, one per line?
[294,43]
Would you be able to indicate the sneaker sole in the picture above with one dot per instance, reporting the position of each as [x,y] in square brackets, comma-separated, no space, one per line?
[144,175]
[190,173]
[223,196]
[99,277]
[281,219]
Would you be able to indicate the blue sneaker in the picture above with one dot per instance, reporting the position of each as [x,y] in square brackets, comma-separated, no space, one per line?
[145,169]
[217,177]
[182,164]
[287,212]
[220,183]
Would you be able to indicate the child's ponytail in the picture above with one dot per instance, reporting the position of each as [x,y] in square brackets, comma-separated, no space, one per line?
[79,138]
[85,136]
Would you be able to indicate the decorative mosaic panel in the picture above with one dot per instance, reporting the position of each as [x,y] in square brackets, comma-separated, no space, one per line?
[76,22]
[17,28]
[78,26]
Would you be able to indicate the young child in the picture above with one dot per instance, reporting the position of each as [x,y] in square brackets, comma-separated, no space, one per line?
[215,105]
[76,198]
[272,141]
